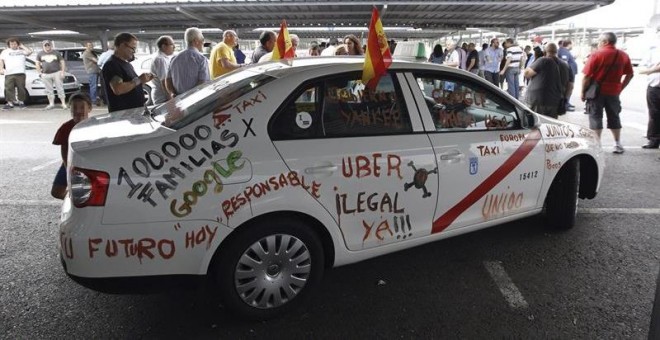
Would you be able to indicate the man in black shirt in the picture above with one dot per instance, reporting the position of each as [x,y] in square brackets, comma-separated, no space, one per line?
[472,63]
[122,84]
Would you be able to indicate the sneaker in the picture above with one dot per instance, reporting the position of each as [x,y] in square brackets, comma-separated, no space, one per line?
[64,107]
[49,107]
[618,149]
[8,107]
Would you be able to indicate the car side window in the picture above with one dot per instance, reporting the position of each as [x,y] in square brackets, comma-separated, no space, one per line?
[460,105]
[341,106]
[351,110]
[300,118]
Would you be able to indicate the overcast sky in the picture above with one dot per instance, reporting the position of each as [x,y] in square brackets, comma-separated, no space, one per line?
[622,13]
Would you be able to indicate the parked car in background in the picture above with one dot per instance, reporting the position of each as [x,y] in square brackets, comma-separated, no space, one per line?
[74,62]
[266,176]
[142,64]
[35,87]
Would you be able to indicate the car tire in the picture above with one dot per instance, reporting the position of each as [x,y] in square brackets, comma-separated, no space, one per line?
[562,199]
[268,269]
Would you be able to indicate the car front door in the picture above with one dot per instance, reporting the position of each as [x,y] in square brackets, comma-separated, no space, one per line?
[490,166]
[364,156]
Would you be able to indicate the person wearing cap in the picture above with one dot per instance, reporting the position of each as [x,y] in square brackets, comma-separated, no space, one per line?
[51,68]
[12,65]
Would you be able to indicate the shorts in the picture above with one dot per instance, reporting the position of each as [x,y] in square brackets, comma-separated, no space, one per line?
[612,106]
[60,177]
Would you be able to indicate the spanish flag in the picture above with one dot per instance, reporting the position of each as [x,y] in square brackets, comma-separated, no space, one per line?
[377,57]
[283,47]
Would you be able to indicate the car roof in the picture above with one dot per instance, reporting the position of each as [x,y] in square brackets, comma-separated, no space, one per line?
[341,63]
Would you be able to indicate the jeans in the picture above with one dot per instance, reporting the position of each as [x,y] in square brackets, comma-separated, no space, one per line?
[93,85]
[513,83]
[493,77]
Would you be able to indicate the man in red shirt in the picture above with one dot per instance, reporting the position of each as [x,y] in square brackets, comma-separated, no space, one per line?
[606,67]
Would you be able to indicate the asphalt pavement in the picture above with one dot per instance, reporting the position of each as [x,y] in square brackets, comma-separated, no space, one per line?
[598,280]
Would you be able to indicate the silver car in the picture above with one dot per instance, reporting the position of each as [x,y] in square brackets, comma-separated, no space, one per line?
[35,87]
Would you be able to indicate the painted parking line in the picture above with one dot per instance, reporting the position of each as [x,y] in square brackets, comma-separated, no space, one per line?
[42,166]
[508,289]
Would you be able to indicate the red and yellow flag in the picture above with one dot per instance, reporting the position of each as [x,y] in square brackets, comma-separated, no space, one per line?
[283,47]
[377,57]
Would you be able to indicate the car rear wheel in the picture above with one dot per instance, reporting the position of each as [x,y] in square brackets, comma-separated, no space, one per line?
[268,270]
[562,200]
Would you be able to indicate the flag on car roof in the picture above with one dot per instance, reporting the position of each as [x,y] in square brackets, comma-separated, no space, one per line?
[377,57]
[283,46]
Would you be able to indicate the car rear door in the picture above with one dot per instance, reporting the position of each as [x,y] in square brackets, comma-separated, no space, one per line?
[490,166]
[364,156]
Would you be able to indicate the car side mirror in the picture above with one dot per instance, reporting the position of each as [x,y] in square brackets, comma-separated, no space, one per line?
[530,119]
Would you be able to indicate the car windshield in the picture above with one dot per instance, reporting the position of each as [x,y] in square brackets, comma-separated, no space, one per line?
[207,98]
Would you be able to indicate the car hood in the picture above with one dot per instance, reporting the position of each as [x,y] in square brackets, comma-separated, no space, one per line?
[115,128]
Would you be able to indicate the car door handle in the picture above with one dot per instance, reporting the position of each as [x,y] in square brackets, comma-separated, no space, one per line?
[452,156]
[323,169]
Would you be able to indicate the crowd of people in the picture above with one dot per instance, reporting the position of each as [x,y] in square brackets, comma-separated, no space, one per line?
[548,71]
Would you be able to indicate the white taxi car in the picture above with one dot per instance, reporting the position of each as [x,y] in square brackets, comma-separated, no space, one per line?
[267,176]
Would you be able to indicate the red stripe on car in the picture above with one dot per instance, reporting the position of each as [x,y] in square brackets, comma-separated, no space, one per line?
[516,158]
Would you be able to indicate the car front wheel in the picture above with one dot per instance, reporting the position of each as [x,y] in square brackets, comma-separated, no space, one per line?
[562,200]
[269,269]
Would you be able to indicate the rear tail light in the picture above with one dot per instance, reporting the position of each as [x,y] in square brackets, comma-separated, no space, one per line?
[88,187]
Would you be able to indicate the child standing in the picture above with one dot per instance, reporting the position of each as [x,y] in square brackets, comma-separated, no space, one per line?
[81,106]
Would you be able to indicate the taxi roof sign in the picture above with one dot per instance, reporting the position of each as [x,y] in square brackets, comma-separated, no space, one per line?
[415,50]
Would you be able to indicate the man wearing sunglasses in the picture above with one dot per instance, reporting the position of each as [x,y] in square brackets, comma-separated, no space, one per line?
[123,86]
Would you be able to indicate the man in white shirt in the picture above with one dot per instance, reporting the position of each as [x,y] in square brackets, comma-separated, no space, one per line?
[159,68]
[12,65]
[332,47]
[515,57]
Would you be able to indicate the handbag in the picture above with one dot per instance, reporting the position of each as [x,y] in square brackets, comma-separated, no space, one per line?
[593,90]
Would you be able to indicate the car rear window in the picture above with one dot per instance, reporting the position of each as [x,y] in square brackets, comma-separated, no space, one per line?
[207,98]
